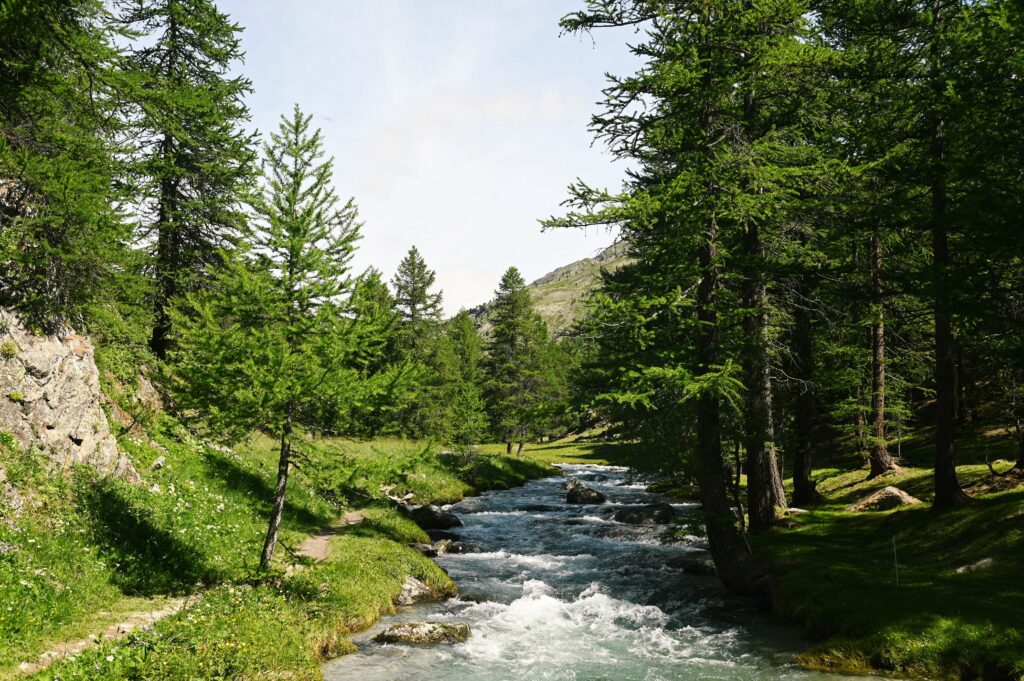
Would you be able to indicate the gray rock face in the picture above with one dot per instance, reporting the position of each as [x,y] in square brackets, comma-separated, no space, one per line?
[578,493]
[651,514]
[50,399]
[418,633]
[883,500]
[430,517]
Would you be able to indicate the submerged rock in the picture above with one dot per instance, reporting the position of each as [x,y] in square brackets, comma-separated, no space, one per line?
[578,493]
[419,633]
[702,566]
[430,517]
[884,499]
[651,514]
[414,591]
[438,535]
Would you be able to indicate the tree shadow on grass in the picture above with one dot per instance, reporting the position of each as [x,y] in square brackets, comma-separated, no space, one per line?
[259,492]
[149,559]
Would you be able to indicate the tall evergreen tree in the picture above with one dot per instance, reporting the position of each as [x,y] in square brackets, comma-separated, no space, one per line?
[270,343]
[419,308]
[194,159]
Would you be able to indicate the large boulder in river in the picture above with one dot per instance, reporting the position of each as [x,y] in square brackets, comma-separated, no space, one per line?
[414,591]
[50,399]
[419,633]
[884,499]
[430,517]
[651,514]
[578,493]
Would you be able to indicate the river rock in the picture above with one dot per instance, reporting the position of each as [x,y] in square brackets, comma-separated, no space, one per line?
[884,499]
[438,535]
[427,550]
[414,591]
[443,546]
[50,399]
[430,517]
[651,514]
[419,633]
[578,493]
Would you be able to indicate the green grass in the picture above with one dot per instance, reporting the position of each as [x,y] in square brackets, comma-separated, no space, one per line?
[268,631]
[577,451]
[835,573]
[86,551]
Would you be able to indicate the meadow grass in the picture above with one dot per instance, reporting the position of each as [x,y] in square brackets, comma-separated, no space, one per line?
[87,551]
[835,572]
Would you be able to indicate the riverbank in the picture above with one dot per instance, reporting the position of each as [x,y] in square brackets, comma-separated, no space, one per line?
[955,611]
[83,552]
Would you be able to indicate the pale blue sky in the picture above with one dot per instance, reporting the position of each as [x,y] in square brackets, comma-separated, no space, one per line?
[455,124]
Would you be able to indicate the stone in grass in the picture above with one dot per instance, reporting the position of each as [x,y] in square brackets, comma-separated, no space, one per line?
[414,591]
[578,493]
[983,564]
[430,517]
[884,499]
[419,633]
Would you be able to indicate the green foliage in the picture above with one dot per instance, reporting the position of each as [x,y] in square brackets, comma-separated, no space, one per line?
[61,235]
[524,383]
[8,350]
[192,161]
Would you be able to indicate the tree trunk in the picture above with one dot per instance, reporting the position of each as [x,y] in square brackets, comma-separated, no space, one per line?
[804,491]
[762,470]
[948,492]
[279,494]
[508,448]
[167,255]
[879,457]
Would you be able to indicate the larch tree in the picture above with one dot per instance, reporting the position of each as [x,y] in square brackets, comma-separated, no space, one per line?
[418,306]
[193,159]
[270,342]
[62,236]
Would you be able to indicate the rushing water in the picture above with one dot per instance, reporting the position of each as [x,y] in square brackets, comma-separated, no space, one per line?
[563,592]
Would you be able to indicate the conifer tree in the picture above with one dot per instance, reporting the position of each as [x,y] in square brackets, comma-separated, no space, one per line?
[518,373]
[419,308]
[62,239]
[269,345]
[194,161]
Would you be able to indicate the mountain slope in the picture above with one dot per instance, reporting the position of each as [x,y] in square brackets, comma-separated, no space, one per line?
[559,296]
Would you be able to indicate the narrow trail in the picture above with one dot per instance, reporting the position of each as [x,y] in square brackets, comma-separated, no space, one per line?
[318,546]
[315,548]
[128,623]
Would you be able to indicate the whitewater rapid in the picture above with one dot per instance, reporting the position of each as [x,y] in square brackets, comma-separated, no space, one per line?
[560,592]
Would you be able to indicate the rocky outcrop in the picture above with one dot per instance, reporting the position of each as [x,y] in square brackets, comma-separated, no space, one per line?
[884,499]
[431,517]
[578,493]
[50,399]
[651,514]
[419,633]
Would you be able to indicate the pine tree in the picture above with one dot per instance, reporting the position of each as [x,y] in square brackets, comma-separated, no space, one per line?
[520,381]
[194,160]
[269,345]
[419,308]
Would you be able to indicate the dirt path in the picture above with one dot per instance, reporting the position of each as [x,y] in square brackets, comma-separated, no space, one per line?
[317,546]
[130,622]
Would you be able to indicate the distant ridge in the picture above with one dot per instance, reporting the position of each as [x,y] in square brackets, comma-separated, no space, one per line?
[559,295]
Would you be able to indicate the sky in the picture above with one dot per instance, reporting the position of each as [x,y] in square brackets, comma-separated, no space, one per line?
[455,124]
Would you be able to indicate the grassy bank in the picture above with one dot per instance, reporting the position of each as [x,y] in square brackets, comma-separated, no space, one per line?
[836,574]
[84,553]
